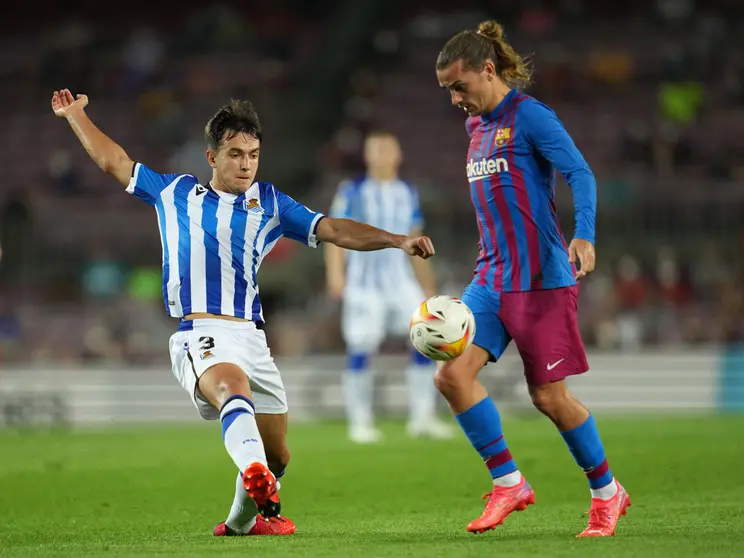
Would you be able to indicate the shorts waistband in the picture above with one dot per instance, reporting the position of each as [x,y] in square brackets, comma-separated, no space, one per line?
[189,325]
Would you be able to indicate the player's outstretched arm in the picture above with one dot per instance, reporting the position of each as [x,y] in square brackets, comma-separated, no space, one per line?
[352,235]
[107,154]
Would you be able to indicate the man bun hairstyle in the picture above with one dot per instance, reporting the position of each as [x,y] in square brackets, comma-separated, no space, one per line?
[487,42]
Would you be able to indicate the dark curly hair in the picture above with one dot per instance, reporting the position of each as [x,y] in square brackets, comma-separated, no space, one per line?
[236,117]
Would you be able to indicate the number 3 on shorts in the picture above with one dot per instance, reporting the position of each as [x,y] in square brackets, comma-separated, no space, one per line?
[206,344]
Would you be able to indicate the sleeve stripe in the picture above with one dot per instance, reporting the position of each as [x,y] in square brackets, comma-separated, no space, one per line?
[312,239]
[133,180]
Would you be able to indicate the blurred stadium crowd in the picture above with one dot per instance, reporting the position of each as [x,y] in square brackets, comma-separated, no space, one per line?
[652,92]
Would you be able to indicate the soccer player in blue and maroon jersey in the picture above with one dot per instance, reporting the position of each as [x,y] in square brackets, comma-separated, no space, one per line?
[525,282]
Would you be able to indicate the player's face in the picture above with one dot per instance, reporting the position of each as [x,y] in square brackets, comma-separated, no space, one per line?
[382,152]
[469,89]
[235,164]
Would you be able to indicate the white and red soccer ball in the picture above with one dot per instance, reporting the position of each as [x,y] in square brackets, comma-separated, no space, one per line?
[442,327]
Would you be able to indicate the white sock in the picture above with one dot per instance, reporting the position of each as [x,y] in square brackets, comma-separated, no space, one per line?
[243,512]
[421,394]
[606,492]
[358,396]
[240,432]
[508,480]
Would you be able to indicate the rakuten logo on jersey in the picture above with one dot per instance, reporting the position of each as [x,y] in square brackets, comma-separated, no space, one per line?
[478,170]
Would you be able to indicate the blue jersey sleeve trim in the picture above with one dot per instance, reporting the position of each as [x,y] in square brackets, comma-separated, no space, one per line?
[146,184]
[548,135]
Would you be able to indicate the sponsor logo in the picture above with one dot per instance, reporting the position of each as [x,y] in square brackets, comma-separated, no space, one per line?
[478,170]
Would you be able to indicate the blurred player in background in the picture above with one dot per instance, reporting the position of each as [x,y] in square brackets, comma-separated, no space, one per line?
[525,283]
[380,291]
[214,238]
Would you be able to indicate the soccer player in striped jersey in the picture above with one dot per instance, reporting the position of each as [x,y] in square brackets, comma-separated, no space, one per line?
[525,283]
[214,238]
[380,291]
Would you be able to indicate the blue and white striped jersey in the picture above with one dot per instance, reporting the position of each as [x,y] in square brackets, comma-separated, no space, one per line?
[391,205]
[214,242]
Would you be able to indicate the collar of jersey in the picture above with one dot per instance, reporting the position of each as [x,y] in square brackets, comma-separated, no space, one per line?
[496,113]
[227,195]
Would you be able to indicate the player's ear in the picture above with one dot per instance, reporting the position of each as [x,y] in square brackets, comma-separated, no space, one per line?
[211,155]
[490,69]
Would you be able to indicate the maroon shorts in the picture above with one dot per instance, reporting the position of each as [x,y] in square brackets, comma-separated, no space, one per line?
[543,324]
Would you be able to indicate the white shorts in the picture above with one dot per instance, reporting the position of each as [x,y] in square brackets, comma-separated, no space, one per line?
[214,341]
[368,315]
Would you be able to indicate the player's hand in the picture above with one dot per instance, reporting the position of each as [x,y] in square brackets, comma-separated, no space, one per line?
[582,251]
[420,246]
[64,104]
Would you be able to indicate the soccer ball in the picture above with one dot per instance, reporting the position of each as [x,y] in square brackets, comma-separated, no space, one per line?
[442,327]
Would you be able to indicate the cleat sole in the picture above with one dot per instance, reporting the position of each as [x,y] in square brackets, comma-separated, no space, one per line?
[260,485]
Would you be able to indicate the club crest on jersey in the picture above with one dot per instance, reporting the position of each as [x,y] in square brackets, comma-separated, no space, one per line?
[503,135]
[252,205]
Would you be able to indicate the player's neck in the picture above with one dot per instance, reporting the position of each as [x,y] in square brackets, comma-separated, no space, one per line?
[382,175]
[215,184]
[500,91]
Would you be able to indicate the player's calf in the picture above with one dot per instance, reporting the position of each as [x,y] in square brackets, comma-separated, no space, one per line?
[226,385]
[358,386]
[273,429]
[579,430]
[479,418]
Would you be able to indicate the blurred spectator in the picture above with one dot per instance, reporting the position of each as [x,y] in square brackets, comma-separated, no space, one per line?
[632,292]
[142,55]
[63,175]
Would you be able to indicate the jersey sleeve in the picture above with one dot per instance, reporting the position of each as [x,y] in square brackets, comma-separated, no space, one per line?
[548,135]
[146,184]
[341,207]
[297,221]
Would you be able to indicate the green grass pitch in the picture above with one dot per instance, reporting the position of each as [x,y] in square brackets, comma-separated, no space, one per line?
[158,491]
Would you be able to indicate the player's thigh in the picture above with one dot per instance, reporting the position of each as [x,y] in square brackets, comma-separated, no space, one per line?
[273,429]
[269,395]
[363,320]
[403,303]
[545,328]
[193,353]
[490,332]
[489,343]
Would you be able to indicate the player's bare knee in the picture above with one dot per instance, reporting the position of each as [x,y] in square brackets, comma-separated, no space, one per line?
[454,376]
[549,398]
[222,381]
[450,379]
